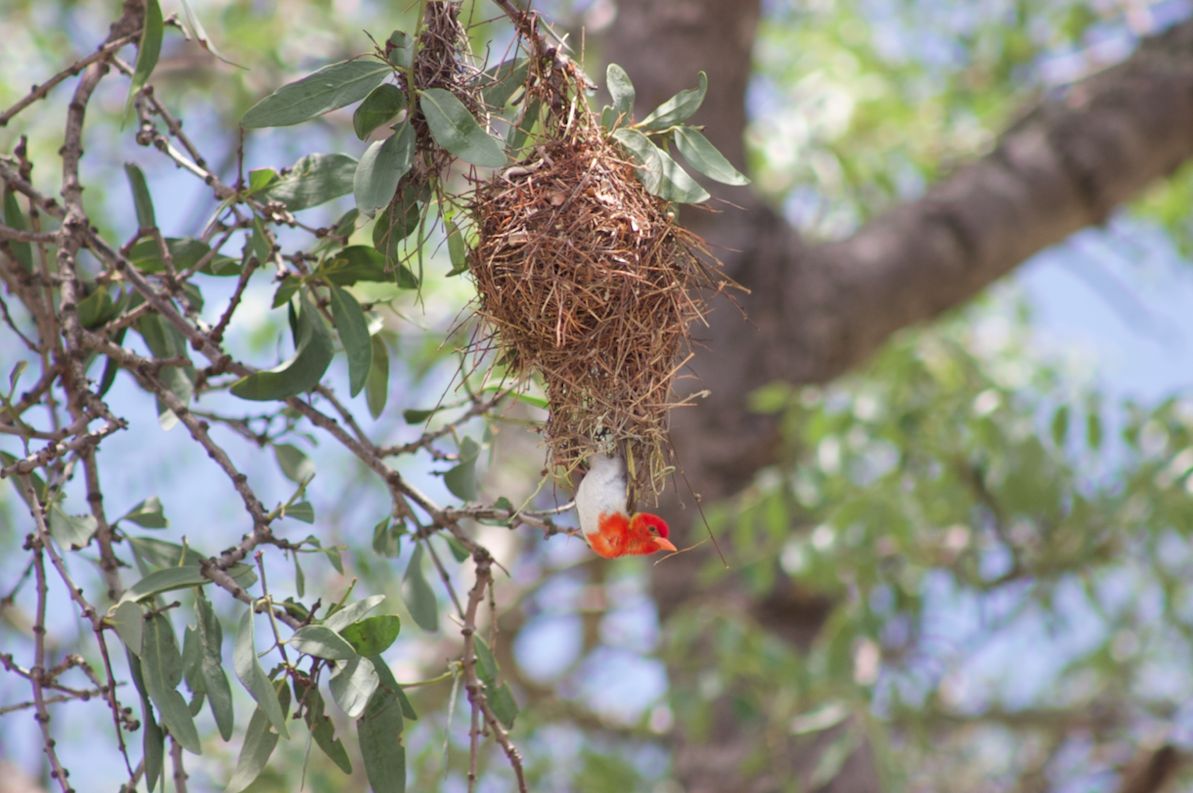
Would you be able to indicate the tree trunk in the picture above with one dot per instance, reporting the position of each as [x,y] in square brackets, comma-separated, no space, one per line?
[815,311]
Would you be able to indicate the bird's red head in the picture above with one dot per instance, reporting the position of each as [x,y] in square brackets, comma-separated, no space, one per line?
[642,535]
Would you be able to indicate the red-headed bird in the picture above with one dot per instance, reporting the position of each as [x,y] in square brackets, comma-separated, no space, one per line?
[601,502]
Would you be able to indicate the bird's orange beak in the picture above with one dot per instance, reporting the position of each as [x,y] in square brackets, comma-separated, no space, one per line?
[665,544]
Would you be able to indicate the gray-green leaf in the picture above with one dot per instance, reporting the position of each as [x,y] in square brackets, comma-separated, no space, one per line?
[705,158]
[461,480]
[354,334]
[660,174]
[128,619]
[253,677]
[418,595]
[383,103]
[315,179]
[383,165]
[454,128]
[165,580]
[621,89]
[352,612]
[377,387]
[373,635]
[295,465]
[142,201]
[72,531]
[313,354]
[321,642]
[678,108]
[380,731]
[215,680]
[352,684]
[148,514]
[329,88]
[161,664]
[148,50]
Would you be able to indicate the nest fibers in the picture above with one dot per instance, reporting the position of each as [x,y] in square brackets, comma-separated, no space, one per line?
[585,278]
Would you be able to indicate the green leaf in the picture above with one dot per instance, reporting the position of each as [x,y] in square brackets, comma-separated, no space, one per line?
[373,635]
[352,684]
[295,465]
[261,178]
[313,180]
[660,174]
[142,201]
[705,158]
[500,82]
[148,514]
[313,354]
[215,680]
[457,548]
[259,743]
[486,665]
[1060,425]
[362,263]
[414,416]
[186,253]
[461,480]
[129,621]
[166,341]
[148,50]
[457,249]
[322,727]
[380,731]
[329,88]
[72,531]
[285,291]
[354,334]
[517,136]
[353,612]
[678,108]
[259,242]
[301,511]
[191,653]
[165,580]
[397,222]
[380,169]
[161,664]
[97,308]
[153,739]
[399,49]
[503,705]
[454,128]
[321,642]
[1093,429]
[382,104]
[377,387]
[621,89]
[195,28]
[252,676]
[15,219]
[420,600]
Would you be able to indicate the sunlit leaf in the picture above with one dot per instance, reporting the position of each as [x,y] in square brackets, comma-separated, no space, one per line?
[313,180]
[349,614]
[313,354]
[373,635]
[321,642]
[129,621]
[329,88]
[148,50]
[253,677]
[704,157]
[455,129]
[678,108]
[352,684]
[621,89]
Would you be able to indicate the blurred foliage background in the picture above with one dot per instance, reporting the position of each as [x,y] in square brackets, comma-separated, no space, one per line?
[995,530]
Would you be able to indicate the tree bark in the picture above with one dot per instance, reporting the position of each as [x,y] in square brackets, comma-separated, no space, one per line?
[816,311]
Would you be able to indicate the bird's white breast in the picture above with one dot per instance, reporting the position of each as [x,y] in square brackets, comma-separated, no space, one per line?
[603,490]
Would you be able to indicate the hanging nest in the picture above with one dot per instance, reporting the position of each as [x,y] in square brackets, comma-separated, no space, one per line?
[587,279]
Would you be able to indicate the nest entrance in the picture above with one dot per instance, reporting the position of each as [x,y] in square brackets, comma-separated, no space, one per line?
[587,279]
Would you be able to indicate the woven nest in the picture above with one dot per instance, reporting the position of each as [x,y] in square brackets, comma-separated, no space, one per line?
[586,279]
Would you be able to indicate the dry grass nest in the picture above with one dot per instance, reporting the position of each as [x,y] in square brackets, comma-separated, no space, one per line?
[587,279]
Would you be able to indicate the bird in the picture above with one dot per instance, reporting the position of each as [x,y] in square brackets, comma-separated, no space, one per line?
[601,503]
